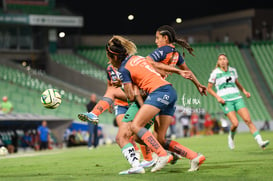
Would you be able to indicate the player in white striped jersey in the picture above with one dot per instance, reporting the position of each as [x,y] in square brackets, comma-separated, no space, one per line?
[225,80]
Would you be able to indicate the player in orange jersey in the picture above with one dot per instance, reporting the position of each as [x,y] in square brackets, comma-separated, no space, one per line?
[160,100]
[166,53]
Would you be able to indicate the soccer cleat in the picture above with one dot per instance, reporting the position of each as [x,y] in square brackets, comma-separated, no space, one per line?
[196,162]
[264,144]
[88,117]
[160,163]
[175,158]
[231,143]
[133,170]
[147,164]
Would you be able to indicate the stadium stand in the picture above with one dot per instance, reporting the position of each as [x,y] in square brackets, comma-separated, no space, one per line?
[95,54]
[262,52]
[78,64]
[25,91]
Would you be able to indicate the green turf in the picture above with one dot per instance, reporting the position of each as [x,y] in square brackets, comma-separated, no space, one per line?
[247,162]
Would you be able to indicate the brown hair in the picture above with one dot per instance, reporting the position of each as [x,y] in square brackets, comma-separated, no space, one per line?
[120,47]
[220,54]
[170,32]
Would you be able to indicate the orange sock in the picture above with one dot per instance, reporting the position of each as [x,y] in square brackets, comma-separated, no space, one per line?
[146,152]
[133,143]
[100,107]
[180,149]
[151,142]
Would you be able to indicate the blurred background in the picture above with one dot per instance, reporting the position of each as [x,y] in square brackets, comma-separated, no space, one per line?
[61,44]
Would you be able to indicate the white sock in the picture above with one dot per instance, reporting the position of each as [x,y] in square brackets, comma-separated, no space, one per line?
[259,139]
[232,134]
[130,154]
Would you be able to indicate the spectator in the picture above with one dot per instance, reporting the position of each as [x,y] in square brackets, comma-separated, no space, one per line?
[194,124]
[208,124]
[6,106]
[266,126]
[43,132]
[216,128]
[26,140]
[6,138]
[92,128]
[14,140]
[201,119]
[72,139]
[35,139]
[224,125]
[100,135]
[80,138]
[185,120]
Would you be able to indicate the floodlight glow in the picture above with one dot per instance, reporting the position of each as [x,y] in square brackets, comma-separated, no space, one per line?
[62,34]
[131,17]
[178,20]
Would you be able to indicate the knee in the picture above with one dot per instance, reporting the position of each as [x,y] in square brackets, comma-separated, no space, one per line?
[118,139]
[236,124]
[135,128]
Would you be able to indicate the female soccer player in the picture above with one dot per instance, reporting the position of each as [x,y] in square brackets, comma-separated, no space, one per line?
[225,79]
[115,94]
[160,100]
[166,54]
[165,39]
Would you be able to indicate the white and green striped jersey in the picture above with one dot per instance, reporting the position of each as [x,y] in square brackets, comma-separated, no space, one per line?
[225,83]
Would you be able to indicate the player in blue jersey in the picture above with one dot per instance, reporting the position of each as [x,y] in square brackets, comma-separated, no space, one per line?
[166,53]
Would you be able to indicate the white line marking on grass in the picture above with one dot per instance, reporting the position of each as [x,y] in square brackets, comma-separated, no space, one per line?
[38,153]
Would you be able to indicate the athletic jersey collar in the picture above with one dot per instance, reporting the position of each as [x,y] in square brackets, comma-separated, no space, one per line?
[222,70]
[171,45]
[125,60]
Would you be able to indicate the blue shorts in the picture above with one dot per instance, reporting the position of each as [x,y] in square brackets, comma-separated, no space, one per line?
[163,98]
[120,110]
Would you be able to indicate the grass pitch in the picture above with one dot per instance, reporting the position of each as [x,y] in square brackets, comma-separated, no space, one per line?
[247,162]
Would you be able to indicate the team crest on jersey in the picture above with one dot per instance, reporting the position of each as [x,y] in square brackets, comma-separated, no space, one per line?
[166,97]
[161,52]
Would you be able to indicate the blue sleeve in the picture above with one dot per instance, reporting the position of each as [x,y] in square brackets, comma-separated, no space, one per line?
[180,60]
[39,129]
[159,54]
[125,75]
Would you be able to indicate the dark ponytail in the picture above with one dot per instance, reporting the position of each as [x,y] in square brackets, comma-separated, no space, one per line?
[170,32]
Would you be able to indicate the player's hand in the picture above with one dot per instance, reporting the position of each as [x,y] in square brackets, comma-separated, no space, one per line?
[186,74]
[202,89]
[116,83]
[221,100]
[247,94]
